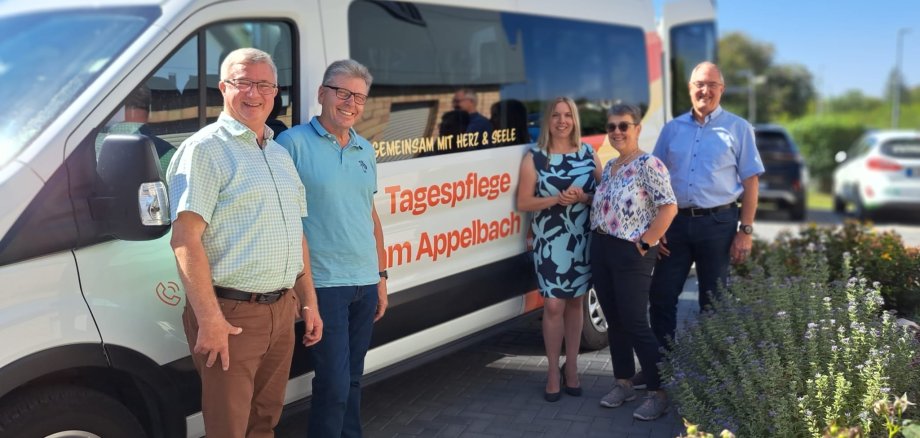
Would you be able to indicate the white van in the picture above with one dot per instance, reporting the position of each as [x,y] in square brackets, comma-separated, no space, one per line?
[99,94]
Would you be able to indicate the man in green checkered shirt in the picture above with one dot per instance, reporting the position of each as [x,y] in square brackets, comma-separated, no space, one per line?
[237,204]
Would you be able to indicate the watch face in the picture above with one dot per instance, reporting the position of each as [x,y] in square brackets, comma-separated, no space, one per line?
[747,229]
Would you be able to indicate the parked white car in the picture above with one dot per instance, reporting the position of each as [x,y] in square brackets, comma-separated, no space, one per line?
[881,171]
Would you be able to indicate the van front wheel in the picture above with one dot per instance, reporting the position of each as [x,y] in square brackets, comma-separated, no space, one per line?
[67,411]
[594,329]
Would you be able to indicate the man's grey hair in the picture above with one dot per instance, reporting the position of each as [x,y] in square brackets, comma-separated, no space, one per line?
[625,109]
[348,68]
[246,55]
[708,63]
[468,93]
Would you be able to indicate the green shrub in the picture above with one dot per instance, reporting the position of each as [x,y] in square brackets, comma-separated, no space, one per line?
[880,257]
[790,354]
[819,139]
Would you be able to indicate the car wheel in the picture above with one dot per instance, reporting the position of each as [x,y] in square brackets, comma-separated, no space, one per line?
[840,206]
[862,213]
[67,411]
[797,211]
[594,328]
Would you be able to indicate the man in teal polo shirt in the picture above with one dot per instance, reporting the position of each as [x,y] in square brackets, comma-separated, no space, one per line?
[236,204]
[339,169]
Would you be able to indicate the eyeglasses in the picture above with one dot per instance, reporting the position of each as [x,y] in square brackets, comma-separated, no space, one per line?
[344,94]
[244,85]
[623,126]
[700,84]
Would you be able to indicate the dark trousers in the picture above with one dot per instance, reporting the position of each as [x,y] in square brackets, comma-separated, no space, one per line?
[621,279]
[706,240]
[246,400]
[338,359]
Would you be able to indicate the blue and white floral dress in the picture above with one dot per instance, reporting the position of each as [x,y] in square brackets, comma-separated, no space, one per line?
[561,234]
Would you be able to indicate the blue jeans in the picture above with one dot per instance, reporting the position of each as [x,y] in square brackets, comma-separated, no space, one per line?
[706,240]
[338,359]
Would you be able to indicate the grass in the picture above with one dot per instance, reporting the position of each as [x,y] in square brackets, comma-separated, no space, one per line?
[820,201]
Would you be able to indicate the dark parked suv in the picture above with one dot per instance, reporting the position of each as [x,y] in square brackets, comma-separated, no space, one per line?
[783,183]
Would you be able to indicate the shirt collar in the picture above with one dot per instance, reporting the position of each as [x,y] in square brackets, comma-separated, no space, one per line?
[322,132]
[238,129]
[712,116]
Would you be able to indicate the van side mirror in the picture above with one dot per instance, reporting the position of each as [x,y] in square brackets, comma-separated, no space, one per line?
[840,156]
[131,199]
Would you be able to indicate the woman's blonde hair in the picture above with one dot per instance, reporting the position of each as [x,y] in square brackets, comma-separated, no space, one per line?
[574,138]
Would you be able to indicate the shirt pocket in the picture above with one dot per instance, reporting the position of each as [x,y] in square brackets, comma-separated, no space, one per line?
[719,152]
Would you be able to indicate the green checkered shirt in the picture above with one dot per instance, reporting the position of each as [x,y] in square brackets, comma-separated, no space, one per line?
[252,200]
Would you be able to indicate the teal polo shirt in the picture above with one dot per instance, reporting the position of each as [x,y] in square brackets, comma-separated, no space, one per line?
[340,185]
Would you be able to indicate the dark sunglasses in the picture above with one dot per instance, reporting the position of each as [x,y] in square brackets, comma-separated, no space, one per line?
[623,126]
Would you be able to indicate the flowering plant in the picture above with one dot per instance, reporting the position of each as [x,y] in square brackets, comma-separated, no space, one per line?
[790,353]
[880,256]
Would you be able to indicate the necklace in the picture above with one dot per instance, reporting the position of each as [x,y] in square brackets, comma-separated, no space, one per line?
[625,159]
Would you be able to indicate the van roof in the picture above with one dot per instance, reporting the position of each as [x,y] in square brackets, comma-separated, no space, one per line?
[13,7]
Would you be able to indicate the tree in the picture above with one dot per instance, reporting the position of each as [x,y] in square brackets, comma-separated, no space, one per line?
[787,92]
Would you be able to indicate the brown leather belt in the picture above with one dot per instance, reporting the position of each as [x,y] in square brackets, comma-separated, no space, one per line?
[252,297]
[697,212]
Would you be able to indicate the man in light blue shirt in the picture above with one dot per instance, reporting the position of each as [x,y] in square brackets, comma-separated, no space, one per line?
[339,170]
[713,162]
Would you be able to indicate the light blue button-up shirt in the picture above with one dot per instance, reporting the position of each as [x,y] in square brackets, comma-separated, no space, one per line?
[340,184]
[708,161]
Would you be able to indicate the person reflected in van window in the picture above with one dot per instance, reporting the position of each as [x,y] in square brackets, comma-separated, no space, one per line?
[454,122]
[338,168]
[558,178]
[509,116]
[236,204]
[136,115]
[277,125]
[632,209]
[465,100]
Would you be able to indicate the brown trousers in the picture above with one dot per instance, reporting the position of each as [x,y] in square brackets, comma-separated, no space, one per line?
[246,400]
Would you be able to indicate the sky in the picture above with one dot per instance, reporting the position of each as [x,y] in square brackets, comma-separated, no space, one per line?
[845,44]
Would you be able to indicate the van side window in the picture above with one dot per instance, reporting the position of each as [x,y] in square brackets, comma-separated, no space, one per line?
[430,63]
[169,106]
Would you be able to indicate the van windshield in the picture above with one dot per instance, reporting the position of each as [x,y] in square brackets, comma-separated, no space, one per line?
[48,57]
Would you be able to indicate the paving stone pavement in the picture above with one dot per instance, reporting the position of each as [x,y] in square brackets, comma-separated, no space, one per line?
[495,389]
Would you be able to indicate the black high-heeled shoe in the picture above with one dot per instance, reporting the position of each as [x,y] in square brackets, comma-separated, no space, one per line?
[573,391]
[553,397]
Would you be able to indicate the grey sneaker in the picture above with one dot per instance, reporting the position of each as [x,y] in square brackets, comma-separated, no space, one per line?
[638,381]
[652,407]
[619,394]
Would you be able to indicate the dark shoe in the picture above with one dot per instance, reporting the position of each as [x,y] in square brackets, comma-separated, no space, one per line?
[574,392]
[638,381]
[555,396]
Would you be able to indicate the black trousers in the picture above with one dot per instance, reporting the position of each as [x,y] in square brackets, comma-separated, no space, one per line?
[622,277]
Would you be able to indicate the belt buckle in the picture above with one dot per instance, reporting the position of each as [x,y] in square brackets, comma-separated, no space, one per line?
[267,298]
[693,211]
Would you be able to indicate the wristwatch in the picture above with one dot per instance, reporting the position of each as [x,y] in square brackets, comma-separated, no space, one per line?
[644,245]
[383,274]
[746,229]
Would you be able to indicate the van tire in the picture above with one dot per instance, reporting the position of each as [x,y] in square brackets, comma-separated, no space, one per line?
[840,206]
[50,410]
[594,327]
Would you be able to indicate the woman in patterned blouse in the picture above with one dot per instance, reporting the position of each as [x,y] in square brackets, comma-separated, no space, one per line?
[558,177]
[633,207]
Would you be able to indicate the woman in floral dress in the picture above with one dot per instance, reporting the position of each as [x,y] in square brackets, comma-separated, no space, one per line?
[558,177]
